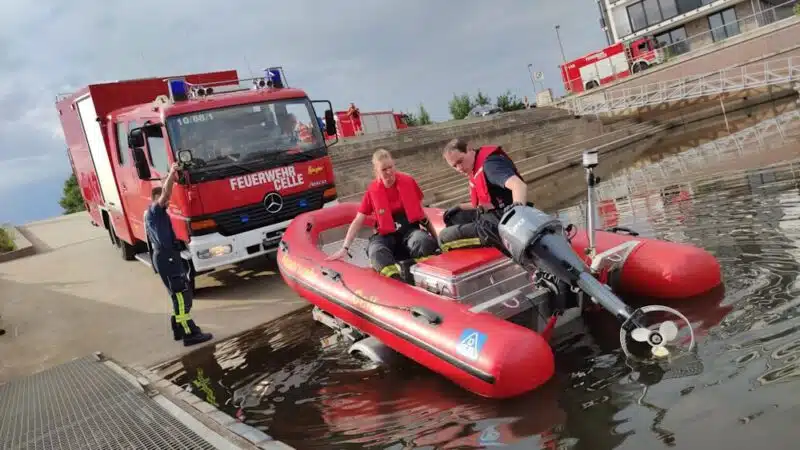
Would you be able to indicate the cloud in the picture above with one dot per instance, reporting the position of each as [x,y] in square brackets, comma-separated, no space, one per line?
[380,55]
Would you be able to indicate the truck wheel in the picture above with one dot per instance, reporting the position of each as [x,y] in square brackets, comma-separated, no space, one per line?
[126,250]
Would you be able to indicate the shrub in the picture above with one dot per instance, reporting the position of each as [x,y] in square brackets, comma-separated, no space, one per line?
[6,241]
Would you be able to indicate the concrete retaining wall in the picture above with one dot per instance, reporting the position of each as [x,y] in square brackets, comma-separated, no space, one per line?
[23,246]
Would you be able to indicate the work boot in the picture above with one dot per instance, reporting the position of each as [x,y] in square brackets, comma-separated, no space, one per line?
[196,336]
[177,330]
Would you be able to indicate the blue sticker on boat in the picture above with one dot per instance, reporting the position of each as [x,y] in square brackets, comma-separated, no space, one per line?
[470,344]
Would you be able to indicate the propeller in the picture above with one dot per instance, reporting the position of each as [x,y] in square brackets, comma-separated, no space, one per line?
[667,332]
[658,336]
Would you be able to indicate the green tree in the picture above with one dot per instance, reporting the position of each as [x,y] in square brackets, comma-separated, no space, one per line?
[423,117]
[418,119]
[460,106]
[509,102]
[71,200]
[411,119]
[482,99]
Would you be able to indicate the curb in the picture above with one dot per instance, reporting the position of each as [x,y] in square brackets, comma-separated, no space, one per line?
[174,398]
[24,246]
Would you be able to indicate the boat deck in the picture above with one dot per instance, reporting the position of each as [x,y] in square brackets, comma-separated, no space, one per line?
[93,403]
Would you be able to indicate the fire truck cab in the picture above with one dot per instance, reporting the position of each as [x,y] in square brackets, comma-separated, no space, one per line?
[610,64]
[252,156]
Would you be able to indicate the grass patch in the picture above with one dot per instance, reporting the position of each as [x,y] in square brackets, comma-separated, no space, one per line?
[6,240]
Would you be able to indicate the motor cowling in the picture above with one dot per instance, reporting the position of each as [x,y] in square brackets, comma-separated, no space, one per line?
[537,240]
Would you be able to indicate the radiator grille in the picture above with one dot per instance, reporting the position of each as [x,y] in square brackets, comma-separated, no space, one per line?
[254,216]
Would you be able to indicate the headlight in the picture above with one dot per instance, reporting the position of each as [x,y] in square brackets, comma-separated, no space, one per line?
[212,252]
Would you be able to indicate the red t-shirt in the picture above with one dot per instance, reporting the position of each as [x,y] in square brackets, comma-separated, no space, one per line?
[393,196]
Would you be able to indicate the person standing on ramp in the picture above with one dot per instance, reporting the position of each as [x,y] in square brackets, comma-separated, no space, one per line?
[168,264]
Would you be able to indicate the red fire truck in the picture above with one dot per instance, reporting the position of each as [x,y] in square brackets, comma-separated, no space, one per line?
[252,152]
[371,122]
[609,64]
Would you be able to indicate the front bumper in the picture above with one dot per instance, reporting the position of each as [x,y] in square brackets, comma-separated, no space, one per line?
[214,250]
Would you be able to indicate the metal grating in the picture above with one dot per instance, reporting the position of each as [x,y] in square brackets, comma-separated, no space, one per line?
[84,404]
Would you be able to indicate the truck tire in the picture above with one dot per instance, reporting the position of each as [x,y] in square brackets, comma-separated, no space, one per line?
[127,251]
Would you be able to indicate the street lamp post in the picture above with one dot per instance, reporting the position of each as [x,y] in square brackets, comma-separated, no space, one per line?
[533,82]
[563,59]
[558,36]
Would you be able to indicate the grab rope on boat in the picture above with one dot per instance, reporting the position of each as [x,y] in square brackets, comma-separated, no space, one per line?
[337,277]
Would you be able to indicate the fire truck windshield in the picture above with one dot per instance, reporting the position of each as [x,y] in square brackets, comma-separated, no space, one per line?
[244,134]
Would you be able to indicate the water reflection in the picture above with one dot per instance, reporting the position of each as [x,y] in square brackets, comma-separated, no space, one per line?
[294,382]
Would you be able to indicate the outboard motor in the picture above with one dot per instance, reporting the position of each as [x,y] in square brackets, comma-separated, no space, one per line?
[537,241]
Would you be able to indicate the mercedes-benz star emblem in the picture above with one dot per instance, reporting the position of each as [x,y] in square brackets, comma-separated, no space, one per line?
[273,202]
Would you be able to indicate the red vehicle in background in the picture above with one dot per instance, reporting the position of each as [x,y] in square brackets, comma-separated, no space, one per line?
[371,122]
[252,151]
[609,64]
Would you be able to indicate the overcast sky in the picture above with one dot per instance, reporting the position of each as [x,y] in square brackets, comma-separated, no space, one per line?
[379,54]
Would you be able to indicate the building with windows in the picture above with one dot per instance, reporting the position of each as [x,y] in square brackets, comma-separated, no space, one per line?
[685,24]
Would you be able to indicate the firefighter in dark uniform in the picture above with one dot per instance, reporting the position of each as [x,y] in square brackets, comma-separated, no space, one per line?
[403,231]
[494,184]
[167,262]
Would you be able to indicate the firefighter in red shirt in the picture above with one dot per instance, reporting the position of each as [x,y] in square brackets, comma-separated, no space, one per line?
[495,185]
[403,230]
[355,117]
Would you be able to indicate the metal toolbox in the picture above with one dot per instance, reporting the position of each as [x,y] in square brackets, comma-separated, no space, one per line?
[491,279]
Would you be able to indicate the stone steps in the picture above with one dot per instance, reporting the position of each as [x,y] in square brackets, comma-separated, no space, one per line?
[538,167]
[440,183]
[394,141]
[427,165]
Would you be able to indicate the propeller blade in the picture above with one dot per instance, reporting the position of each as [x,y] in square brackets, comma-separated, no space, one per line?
[640,334]
[668,330]
[659,351]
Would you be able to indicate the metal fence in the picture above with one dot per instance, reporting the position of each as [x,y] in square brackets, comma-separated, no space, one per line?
[748,141]
[756,75]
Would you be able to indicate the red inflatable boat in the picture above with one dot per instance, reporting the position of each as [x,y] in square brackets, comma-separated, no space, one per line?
[474,316]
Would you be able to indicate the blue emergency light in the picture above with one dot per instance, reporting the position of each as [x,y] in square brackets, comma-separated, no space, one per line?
[273,74]
[178,90]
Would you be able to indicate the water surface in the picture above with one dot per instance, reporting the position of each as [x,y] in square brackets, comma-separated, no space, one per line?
[291,379]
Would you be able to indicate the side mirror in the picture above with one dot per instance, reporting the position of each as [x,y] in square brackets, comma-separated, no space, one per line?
[140,161]
[185,156]
[330,123]
[136,138]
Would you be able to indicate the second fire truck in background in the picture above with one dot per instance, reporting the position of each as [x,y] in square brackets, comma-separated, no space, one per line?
[610,64]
